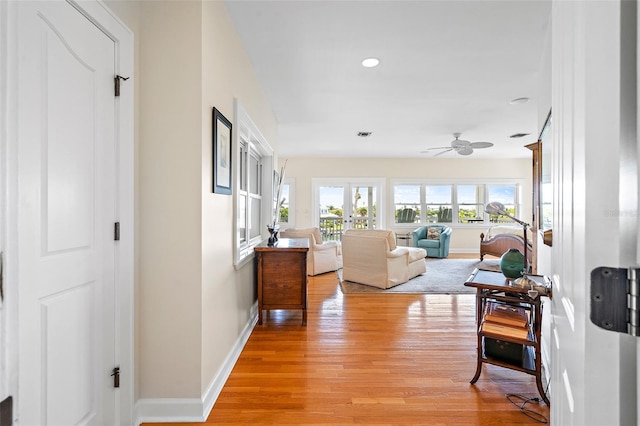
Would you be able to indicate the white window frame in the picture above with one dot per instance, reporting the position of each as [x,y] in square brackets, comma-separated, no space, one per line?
[247,133]
[518,183]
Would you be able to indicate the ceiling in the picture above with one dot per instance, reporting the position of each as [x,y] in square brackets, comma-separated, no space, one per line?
[445,67]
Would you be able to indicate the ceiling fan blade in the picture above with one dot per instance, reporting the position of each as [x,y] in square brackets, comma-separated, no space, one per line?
[446,150]
[465,151]
[481,144]
[440,147]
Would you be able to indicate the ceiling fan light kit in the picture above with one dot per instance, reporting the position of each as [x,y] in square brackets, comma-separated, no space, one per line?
[460,146]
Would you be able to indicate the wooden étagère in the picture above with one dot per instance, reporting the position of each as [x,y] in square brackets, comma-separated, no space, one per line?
[493,288]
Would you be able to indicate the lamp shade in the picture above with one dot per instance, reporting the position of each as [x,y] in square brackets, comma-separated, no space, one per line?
[495,207]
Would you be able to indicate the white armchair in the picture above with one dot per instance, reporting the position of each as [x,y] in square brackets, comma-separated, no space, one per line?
[371,257]
[323,256]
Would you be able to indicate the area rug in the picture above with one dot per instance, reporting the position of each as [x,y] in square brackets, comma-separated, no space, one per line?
[443,276]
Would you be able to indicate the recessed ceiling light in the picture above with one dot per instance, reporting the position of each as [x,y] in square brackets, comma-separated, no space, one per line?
[518,101]
[370,62]
[519,135]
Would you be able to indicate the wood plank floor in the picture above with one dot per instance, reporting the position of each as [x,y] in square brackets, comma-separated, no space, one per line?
[370,359]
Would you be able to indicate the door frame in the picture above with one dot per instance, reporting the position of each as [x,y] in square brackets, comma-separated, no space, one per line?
[97,13]
[348,183]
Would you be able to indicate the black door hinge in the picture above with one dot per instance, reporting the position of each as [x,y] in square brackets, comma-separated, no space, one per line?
[116,377]
[615,299]
[116,231]
[116,81]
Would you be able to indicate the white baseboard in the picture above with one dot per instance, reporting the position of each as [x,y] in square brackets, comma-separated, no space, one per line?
[173,410]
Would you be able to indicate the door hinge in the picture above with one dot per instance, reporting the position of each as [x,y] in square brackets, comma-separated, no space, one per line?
[116,377]
[116,231]
[615,299]
[116,82]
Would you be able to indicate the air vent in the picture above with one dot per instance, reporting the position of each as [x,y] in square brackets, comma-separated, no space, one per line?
[519,135]
[364,134]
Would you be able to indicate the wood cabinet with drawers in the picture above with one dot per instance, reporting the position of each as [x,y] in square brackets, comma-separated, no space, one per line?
[281,276]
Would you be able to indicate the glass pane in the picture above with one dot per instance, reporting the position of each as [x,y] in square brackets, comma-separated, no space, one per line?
[331,212]
[470,208]
[406,199]
[242,176]
[438,194]
[364,207]
[440,213]
[242,212]
[439,203]
[284,206]
[255,206]
[254,175]
[505,194]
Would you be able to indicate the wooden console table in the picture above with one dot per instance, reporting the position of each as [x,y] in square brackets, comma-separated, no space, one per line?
[281,275]
[493,286]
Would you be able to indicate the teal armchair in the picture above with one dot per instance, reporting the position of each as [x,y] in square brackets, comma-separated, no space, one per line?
[434,239]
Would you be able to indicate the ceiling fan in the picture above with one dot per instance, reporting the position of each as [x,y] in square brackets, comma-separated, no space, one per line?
[460,146]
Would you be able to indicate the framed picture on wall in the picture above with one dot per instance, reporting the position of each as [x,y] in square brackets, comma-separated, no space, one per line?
[222,166]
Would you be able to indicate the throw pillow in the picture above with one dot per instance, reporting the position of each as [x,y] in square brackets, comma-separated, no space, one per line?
[434,233]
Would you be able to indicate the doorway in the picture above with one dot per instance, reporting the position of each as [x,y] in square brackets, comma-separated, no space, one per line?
[341,204]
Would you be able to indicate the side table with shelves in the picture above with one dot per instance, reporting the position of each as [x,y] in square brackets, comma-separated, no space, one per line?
[404,239]
[494,287]
[281,275]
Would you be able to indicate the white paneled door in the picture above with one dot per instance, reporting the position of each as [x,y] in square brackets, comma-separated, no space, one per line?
[66,214]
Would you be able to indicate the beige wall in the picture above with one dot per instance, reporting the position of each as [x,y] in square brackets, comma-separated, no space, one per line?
[463,239]
[227,295]
[191,305]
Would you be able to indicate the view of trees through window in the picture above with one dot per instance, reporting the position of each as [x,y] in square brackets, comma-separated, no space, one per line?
[451,203]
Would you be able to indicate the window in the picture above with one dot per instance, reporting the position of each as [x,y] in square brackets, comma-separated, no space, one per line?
[287,209]
[452,203]
[254,172]
[505,194]
[439,203]
[470,200]
[406,199]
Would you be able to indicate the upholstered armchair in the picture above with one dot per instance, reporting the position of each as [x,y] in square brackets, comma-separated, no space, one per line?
[371,257]
[323,256]
[434,239]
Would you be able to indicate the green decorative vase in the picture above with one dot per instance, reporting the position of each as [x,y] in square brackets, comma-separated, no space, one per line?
[512,263]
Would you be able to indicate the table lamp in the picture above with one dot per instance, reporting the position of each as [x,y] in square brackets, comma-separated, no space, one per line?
[497,208]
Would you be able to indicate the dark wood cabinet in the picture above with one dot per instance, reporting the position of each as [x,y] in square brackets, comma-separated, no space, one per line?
[281,276]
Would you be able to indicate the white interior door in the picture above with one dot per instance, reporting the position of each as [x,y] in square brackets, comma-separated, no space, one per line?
[66,215]
[594,106]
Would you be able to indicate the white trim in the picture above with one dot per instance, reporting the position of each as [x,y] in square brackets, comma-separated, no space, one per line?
[8,199]
[171,410]
[247,130]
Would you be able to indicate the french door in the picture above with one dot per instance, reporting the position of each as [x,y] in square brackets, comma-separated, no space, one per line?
[344,204]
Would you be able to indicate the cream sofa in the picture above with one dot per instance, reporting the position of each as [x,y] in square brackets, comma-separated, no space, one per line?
[323,256]
[371,257]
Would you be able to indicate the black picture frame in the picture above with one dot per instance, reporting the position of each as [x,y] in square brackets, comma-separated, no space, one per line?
[222,158]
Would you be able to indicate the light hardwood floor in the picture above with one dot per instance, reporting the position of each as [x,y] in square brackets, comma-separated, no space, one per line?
[396,359]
